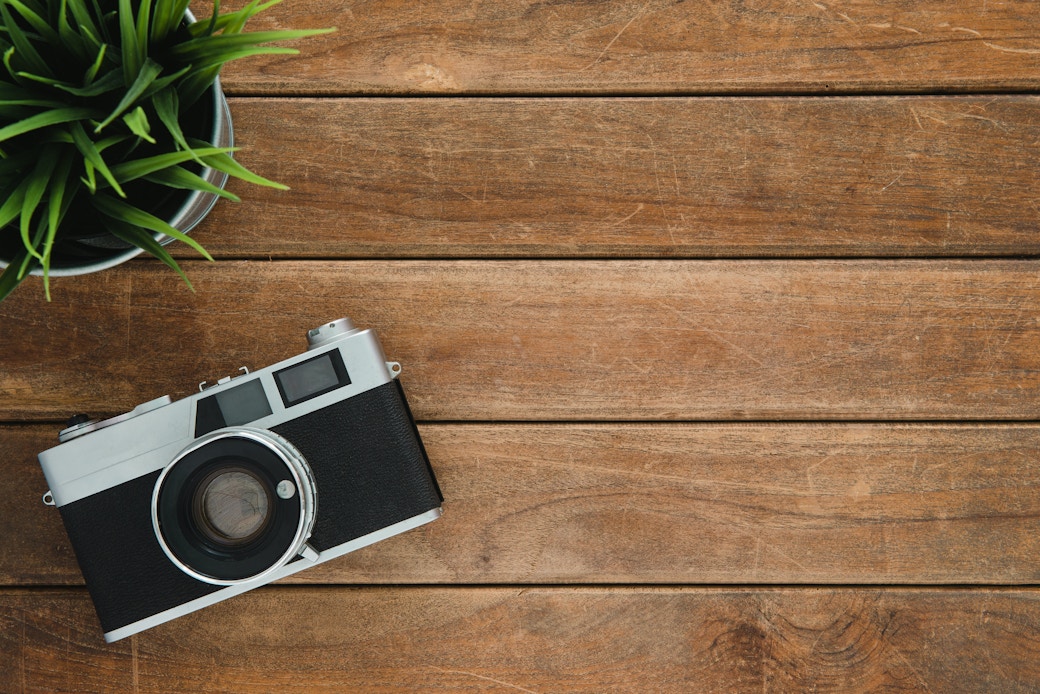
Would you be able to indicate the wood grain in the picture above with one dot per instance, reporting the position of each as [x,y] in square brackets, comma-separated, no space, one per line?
[652,46]
[534,640]
[523,340]
[920,176]
[545,268]
[538,504]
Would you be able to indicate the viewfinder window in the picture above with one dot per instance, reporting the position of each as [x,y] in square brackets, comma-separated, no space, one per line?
[311,378]
[231,408]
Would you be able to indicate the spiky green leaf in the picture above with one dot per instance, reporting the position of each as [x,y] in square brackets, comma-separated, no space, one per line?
[9,64]
[182,179]
[137,121]
[90,178]
[193,86]
[36,186]
[232,22]
[207,49]
[12,95]
[109,82]
[41,226]
[133,52]
[128,214]
[85,21]
[219,58]
[45,119]
[56,198]
[161,83]
[146,75]
[23,48]
[214,16]
[167,108]
[144,16]
[142,239]
[12,275]
[12,206]
[101,20]
[59,196]
[92,156]
[224,162]
[139,168]
[69,37]
[37,22]
[166,17]
[92,71]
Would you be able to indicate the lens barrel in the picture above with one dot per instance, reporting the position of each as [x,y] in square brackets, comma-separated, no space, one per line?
[219,512]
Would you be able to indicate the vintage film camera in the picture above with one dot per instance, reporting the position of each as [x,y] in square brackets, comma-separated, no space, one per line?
[178,505]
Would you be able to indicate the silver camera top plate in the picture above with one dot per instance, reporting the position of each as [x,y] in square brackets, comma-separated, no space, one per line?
[151,435]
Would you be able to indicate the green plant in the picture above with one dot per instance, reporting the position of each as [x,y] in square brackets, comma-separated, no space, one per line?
[95,96]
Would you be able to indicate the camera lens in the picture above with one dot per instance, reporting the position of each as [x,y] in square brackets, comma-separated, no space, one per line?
[234,506]
[231,506]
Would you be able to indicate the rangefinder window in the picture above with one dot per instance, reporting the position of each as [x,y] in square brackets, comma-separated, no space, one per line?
[311,378]
[231,408]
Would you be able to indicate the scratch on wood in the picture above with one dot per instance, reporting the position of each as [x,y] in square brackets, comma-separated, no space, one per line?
[982,118]
[639,208]
[482,677]
[1008,49]
[932,116]
[820,5]
[645,370]
[892,182]
[616,37]
[916,117]
[737,348]
[809,471]
[780,553]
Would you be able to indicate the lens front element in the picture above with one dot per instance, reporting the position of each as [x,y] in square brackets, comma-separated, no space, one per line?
[221,512]
[231,506]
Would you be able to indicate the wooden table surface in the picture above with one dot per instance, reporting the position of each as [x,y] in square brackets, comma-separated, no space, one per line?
[721,321]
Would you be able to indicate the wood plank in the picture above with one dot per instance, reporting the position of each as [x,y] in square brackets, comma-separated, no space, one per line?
[529,340]
[620,177]
[539,639]
[539,504]
[656,46]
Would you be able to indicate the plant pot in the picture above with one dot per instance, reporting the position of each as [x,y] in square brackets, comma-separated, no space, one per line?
[182,209]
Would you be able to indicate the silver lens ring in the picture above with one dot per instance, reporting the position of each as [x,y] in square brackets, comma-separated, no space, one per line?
[296,471]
